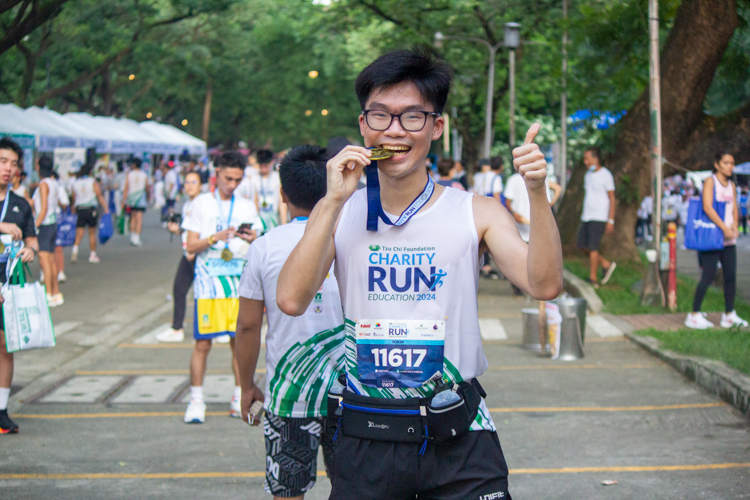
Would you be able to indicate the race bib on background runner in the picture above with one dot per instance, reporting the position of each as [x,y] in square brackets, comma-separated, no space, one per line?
[399,353]
[219,267]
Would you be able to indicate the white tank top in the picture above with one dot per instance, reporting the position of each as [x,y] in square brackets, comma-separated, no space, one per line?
[387,275]
[50,217]
[83,189]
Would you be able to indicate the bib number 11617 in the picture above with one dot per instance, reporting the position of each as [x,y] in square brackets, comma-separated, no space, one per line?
[408,358]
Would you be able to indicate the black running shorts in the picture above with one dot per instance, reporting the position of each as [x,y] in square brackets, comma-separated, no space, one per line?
[473,467]
[590,235]
[86,216]
[46,236]
[292,453]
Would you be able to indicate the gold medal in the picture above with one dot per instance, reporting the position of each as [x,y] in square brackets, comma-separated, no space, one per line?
[226,255]
[381,154]
[2,247]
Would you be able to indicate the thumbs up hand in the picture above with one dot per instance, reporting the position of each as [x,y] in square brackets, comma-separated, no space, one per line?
[529,160]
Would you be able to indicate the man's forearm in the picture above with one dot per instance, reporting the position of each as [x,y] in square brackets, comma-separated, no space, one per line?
[544,262]
[247,351]
[309,262]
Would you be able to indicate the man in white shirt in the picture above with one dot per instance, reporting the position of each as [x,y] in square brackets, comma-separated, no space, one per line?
[598,217]
[219,234]
[268,192]
[171,186]
[304,354]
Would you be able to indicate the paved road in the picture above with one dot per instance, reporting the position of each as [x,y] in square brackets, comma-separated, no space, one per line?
[100,414]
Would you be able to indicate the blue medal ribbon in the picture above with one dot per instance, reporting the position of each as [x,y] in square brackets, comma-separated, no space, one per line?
[301,219]
[4,256]
[221,215]
[375,208]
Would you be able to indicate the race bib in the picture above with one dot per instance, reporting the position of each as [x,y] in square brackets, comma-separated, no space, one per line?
[399,353]
[219,267]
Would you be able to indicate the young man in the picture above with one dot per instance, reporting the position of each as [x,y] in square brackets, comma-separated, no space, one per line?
[16,220]
[215,236]
[268,192]
[171,186]
[87,195]
[304,355]
[598,217]
[135,197]
[482,180]
[400,277]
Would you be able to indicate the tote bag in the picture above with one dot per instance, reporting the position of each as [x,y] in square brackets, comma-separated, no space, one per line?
[25,311]
[66,229]
[701,233]
[105,228]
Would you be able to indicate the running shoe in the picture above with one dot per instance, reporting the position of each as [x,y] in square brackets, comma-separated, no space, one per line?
[55,300]
[74,255]
[608,273]
[235,411]
[728,320]
[61,278]
[697,321]
[195,413]
[171,335]
[7,426]
[224,339]
[93,258]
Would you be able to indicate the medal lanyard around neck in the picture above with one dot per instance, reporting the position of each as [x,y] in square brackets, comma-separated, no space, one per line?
[221,215]
[5,205]
[375,208]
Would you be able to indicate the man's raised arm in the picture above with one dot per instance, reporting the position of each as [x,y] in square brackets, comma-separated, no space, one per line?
[310,261]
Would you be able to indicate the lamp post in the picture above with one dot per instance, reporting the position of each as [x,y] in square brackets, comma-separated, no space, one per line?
[439,37]
[512,42]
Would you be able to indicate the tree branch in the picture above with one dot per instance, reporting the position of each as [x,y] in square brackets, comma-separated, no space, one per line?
[485,26]
[32,21]
[377,10]
[6,5]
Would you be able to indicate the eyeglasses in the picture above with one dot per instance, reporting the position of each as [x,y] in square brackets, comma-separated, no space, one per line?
[411,121]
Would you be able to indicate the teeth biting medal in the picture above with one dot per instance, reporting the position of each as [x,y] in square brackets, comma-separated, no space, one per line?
[381,153]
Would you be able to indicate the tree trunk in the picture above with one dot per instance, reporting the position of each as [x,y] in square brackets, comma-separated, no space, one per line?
[692,52]
[207,110]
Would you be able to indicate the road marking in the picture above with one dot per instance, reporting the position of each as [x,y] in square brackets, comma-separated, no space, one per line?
[82,389]
[492,329]
[321,473]
[150,389]
[145,414]
[573,367]
[605,408]
[602,327]
[606,339]
[154,372]
[66,326]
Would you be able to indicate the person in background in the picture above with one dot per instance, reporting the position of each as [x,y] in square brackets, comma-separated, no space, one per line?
[481,183]
[86,195]
[445,171]
[744,201]
[722,188]
[46,205]
[183,279]
[118,184]
[268,192]
[135,197]
[598,217]
[496,186]
[459,175]
[682,221]
[63,204]
[18,222]
[171,186]
[19,185]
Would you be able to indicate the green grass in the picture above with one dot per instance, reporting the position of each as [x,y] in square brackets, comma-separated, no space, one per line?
[730,346]
[619,299]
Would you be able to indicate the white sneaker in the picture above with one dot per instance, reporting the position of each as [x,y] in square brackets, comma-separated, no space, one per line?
[195,413]
[731,319]
[93,258]
[698,321]
[608,274]
[224,339]
[74,255]
[171,335]
[55,300]
[61,278]
[235,410]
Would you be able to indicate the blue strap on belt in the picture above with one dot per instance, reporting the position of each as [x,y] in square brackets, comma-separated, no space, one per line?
[380,410]
[375,208]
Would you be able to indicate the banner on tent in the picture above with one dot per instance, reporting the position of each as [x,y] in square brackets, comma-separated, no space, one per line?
[68,161]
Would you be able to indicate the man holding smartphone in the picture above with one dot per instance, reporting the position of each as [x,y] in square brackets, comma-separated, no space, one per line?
[214,236]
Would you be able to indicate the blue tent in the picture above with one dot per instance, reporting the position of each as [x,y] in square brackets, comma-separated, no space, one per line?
[742,168]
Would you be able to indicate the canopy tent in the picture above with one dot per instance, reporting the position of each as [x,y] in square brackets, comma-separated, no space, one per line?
[104,133]
[742,168]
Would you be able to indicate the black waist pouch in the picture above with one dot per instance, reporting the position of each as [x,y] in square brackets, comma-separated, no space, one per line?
[383,419]
[450,422]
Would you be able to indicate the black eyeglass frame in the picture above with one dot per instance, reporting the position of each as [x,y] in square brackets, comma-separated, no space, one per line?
[398,116]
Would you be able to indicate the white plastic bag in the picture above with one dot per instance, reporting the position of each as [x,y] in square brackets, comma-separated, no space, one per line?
[554,320]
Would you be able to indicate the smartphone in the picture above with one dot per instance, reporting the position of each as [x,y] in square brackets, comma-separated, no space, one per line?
[245,228]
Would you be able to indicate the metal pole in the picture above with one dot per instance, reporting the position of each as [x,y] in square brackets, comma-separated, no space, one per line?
[488,109]
[653,290]
[564,106]
[446,136]
[512,77]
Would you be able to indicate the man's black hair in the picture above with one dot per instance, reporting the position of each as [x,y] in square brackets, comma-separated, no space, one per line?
[303,176]
[136,162]
[420,66]
[264,156]
[45,167]
[444,166]
[8,143]
[231,159]
[483,162]
[496,163]
[595,152]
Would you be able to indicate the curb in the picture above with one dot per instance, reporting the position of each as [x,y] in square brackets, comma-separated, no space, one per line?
[716,377]
[577,287]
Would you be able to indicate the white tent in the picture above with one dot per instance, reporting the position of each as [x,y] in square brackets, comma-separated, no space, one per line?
[107,134]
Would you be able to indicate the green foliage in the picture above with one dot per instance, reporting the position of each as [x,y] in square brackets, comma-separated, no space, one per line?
[732,346]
